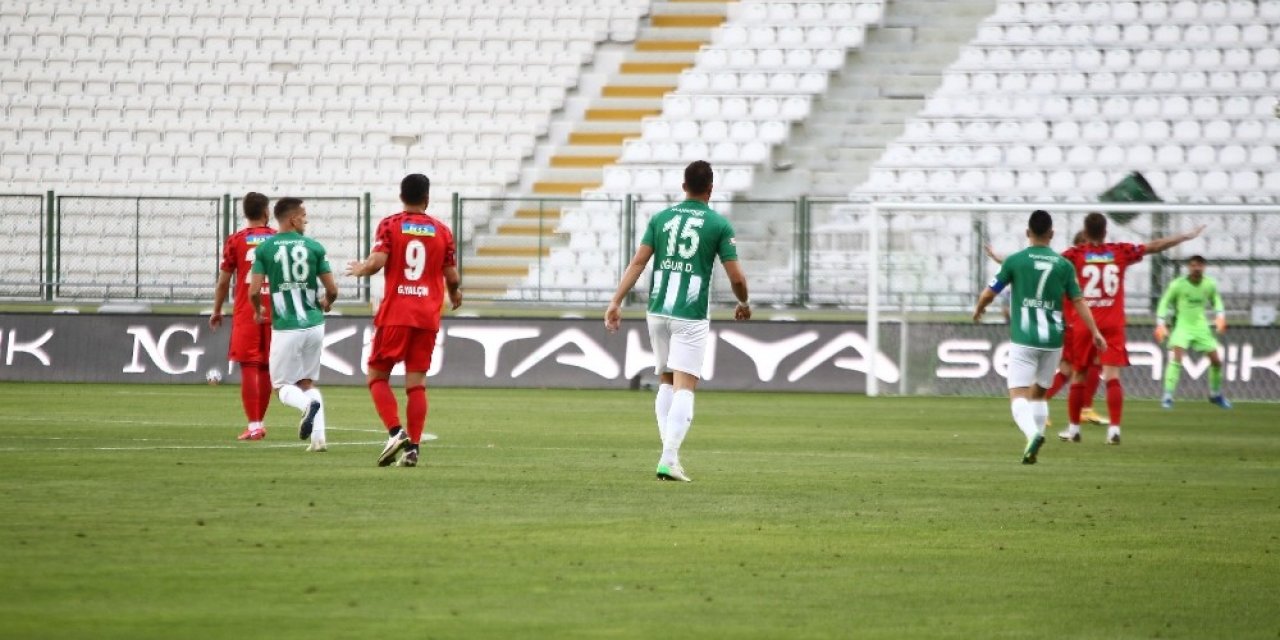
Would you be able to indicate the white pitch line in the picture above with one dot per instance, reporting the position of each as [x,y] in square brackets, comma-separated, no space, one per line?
[299,445]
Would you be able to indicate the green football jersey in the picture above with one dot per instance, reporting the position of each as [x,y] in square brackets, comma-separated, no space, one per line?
[1040,278]
[1188,300]
[686,239]
[292,263]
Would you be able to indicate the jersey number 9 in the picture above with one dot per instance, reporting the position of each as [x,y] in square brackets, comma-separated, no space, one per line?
[415,259]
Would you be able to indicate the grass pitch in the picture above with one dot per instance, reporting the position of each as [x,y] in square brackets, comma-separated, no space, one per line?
[131,512]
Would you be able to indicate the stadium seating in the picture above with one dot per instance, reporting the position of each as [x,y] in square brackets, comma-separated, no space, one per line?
[314,97]
[1060,100]
[760,73]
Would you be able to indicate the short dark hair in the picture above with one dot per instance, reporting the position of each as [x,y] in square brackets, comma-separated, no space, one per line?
[1040,223]
[415,188]
[285,206]
[1095,226]
[255,205]
[1197,258]
[698,177]
[1079,238]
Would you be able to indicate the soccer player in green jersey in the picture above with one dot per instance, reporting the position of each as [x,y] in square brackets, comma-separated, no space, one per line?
[292,264]
[684,242]
[1040,279]
[1188,295]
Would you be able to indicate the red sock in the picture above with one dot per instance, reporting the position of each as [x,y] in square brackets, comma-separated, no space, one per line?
[1115,400]
[1075,402]
[265,391]
[385,403]
[1059,381]
[416,412]
[249,391]
[1092,378]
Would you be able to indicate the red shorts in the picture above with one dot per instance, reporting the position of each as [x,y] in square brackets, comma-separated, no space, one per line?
[1078,348]
[250,342]
[410,345]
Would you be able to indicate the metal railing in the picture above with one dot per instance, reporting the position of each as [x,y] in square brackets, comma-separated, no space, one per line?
[156,248]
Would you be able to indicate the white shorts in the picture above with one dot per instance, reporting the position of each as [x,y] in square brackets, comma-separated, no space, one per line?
[295,355]
[678,345]
[1029,366]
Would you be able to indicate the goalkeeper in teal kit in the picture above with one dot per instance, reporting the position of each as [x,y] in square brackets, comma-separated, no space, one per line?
[1188,296]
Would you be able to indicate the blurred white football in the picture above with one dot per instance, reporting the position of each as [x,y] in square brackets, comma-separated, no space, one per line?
[213,376]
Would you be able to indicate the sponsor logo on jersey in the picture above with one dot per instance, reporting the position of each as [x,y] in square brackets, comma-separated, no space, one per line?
[252,240]
[416,229]
[1104,256]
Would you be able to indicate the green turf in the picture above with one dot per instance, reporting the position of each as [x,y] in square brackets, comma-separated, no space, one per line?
[129,512]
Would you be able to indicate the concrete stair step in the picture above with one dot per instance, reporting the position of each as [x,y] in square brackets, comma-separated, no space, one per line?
[575,174]
[613,114]
[690,8]
[637,90]
[675,33]
[687,20]
[602,137]
[588,150]
[550,214]
[608,127]
[665,80]
[526,227]
[561,188]
[499,272]
[663,68]
[487,285]
[581,161]
[524,255]
[669,45]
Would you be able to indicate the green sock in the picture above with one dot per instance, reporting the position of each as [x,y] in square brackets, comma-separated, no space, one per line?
[1215,380]
[1172,372]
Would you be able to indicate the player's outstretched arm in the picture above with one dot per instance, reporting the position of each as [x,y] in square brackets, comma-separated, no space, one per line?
[367,267]
[738,282]
[1169,242]
[991,253]
[1082,308]
[613,315]
[220,291]
[453,282]
[330,290]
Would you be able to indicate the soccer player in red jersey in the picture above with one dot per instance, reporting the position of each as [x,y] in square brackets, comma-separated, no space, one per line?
[1101,266]
[418,258]
[250,341]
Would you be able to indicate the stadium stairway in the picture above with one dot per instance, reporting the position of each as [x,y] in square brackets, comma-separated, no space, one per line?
[882,84]
[667,44]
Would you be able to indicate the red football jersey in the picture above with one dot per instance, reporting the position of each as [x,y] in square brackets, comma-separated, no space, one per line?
[418,249]
[237,259]
[1101,269]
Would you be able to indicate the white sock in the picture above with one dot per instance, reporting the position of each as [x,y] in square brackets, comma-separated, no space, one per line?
[294,397]
[1073,429]
[662,406]
[678,421]
[255,426]
[317,426]
[1040,411]
[1024,418]
[1115,428]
